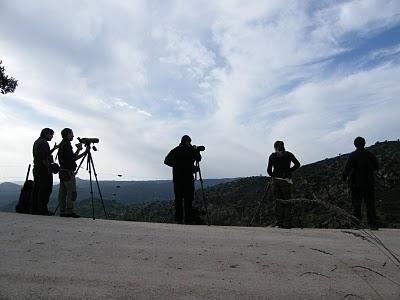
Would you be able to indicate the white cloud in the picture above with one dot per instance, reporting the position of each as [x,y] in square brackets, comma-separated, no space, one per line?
[235,75]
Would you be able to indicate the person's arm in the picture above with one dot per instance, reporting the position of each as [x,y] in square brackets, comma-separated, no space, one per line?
[296,163]
[46,163]
[270,164]
[54,147]
[170,159]
[78,149]
[348,167]
[44,155]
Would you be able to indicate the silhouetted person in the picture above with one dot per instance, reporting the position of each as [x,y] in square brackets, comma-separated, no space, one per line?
[280,169]
[67,157]
[42,172]
[359,173]
[182,159]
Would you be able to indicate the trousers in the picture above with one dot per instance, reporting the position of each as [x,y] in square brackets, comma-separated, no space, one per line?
[366,194]
[67,193]
[43,187]
[184,193]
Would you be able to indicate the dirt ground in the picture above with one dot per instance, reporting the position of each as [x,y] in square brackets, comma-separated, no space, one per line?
[65,258]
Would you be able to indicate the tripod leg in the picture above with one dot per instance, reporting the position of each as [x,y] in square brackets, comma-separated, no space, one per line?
[89,167]
[54,212]
[80,164]
[98,187]
[203,194]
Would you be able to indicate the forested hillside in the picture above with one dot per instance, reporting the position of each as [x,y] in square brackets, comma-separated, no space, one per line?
[318,187]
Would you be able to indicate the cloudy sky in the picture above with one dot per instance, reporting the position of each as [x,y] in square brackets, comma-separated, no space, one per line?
[234,75]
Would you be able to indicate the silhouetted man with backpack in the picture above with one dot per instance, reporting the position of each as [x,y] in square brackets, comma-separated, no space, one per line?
[182,159]
[359,173]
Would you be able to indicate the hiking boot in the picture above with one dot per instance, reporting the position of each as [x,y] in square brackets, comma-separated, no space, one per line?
[64,215]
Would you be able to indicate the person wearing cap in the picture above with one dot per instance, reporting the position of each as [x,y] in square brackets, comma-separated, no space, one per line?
[182,159]
[42,172]
[280,169]
[359,174]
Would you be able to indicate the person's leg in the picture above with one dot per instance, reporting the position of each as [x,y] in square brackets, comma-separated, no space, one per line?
[62,194]
[276,189]
[188,199]
[35,196]
[286,214]
[178,190]
[49,190]
[278,204]
[356,199]
[71,195]
[286,190]
[45,189]
[369,198]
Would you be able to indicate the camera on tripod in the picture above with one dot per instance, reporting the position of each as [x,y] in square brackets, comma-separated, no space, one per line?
[90,167]
[88,141]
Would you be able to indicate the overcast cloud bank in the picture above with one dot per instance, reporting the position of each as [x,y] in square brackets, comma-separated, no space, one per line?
[235,75]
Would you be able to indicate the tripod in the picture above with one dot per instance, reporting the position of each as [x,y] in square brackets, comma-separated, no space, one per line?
[89,167]
[202,191]
[260,203]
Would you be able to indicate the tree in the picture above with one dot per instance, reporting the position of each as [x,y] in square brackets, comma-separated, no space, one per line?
[7,84]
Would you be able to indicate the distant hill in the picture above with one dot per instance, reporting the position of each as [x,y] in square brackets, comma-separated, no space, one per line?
[127,192]
[322,198]
[9,192]
[123,192]
[236,202]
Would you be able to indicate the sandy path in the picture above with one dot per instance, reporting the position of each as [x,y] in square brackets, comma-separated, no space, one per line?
[52,257]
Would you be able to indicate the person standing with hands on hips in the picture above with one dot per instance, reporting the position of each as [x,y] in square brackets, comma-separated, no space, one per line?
[280,169]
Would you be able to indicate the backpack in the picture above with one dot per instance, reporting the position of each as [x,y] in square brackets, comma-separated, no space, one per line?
[26,197]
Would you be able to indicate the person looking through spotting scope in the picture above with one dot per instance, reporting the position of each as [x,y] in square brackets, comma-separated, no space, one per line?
[359,173]
[182,159]
[67,192]
[279,168]
[42,172]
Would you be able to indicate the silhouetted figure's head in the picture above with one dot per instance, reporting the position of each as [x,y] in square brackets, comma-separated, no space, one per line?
[279,146]
[186,140]
[47,134]
[359,142]
[67,134]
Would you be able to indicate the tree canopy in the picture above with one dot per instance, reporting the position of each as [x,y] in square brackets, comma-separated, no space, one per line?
[7,84]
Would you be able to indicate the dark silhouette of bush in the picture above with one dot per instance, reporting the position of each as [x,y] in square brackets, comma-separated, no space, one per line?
[7,84]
